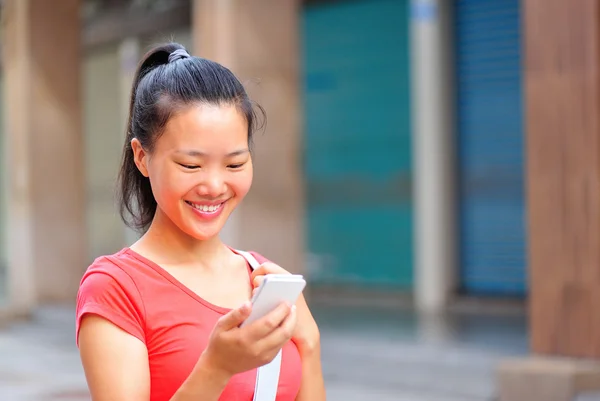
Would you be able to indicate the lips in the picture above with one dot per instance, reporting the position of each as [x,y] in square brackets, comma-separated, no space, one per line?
[206,211]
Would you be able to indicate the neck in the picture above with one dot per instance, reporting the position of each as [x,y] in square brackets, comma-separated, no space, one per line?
[165,243]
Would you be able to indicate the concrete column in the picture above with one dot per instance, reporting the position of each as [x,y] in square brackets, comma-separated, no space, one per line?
[3,202]
[41,57]
[3,211]
[562,99]
[259,41]
[433,154]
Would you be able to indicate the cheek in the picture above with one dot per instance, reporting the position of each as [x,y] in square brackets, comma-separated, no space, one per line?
[241,183]
[168,183]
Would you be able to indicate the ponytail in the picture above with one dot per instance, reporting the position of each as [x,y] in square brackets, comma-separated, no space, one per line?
[137,205]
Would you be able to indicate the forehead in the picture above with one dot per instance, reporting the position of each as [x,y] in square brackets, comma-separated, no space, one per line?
[205,127]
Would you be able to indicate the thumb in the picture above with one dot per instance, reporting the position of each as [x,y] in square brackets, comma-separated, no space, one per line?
[259,271]
[235,317]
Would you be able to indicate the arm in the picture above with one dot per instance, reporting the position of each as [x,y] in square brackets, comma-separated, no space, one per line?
[115,363]
[116,367]
[312,387]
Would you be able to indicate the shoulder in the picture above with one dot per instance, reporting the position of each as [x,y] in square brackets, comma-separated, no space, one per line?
[107,289]
[107,271]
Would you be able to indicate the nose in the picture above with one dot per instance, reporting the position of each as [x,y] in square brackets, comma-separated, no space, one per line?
[212,186]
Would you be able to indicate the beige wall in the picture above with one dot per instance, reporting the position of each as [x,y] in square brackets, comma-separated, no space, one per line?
[103,140]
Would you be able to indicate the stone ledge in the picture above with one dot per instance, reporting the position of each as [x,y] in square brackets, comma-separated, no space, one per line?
[539,378]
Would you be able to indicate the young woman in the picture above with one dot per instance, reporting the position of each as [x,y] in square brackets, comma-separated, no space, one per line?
[159,320]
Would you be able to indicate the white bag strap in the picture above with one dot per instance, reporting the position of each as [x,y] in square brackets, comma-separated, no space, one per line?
[267,376]
[249,258]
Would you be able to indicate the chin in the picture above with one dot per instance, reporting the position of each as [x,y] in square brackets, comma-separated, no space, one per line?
[206,231]
[203,237]
[203,234]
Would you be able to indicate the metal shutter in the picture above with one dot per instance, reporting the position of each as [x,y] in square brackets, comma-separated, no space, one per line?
[490,138]
[357,138]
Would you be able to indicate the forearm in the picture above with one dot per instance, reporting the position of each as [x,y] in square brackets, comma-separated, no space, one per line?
[312,387]
[203,384]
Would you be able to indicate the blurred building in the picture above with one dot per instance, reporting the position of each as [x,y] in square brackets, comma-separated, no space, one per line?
[393,160]
[410,162]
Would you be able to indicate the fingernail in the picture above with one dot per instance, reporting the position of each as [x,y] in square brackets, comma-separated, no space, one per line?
[293,308]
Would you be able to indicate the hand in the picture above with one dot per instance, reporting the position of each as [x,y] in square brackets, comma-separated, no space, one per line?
[233,350]
[306,335]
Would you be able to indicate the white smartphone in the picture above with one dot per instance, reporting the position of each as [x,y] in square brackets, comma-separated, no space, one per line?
[274,290]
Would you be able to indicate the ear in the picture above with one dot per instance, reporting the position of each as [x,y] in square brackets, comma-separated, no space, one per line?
[140,156]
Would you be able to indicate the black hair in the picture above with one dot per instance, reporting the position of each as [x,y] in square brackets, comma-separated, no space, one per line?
[167,80]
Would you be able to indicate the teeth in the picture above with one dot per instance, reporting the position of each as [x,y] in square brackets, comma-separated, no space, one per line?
[206,208]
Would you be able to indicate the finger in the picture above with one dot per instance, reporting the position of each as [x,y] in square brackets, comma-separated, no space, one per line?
[257,280]
[282,334]
[235,317]
[267,268]
[268,323]
[259,271]
[289,324]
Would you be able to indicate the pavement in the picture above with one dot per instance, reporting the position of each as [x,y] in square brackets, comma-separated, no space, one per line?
[368,354]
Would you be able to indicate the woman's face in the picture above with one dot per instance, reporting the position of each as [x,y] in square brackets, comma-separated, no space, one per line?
[200,168]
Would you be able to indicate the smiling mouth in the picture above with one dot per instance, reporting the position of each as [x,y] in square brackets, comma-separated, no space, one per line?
[206,208]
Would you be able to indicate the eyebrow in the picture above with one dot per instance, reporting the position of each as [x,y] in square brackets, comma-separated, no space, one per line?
[197,153]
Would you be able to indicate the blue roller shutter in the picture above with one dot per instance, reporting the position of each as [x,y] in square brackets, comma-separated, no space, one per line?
[491,154]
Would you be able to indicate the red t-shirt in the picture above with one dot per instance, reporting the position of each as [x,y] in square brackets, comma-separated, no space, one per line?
[147,302]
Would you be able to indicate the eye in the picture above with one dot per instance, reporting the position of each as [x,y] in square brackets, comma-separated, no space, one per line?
[236,166]
[189,166]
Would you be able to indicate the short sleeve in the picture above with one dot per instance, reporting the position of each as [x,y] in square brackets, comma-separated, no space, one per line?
[110,293]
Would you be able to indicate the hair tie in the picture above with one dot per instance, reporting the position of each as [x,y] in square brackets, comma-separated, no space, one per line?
[177,55]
